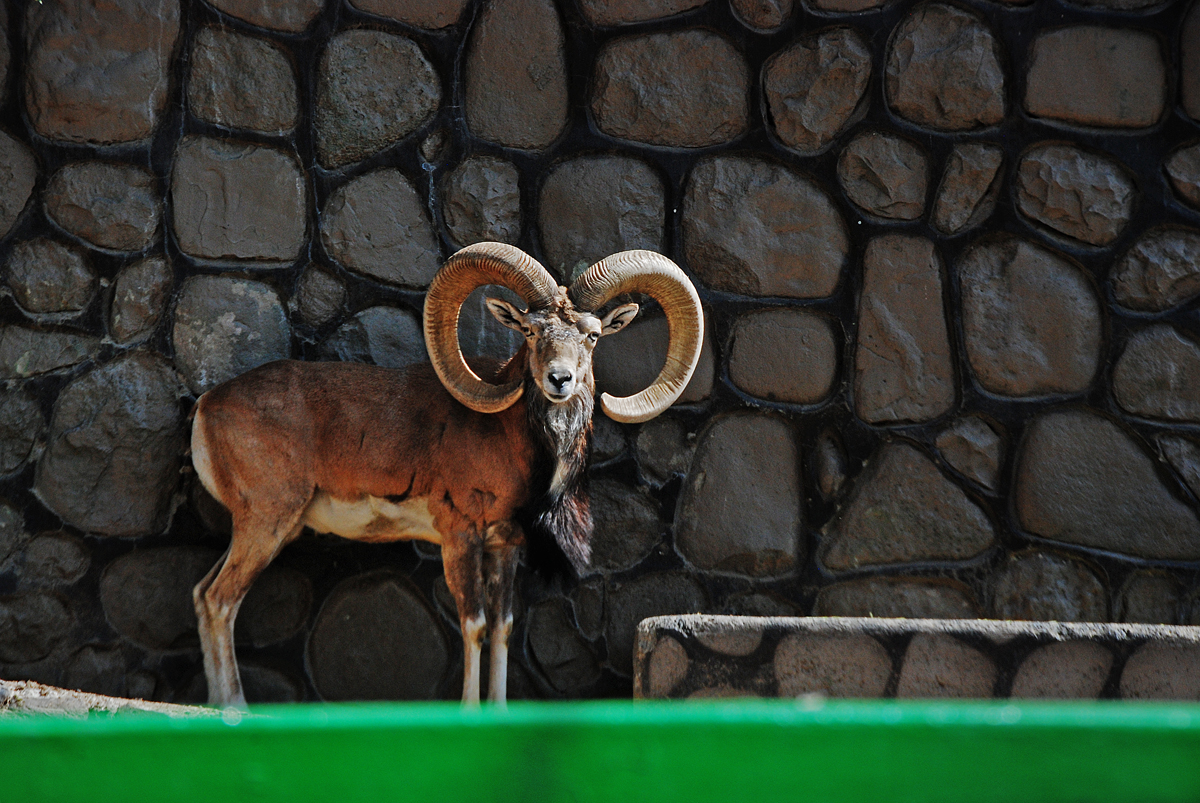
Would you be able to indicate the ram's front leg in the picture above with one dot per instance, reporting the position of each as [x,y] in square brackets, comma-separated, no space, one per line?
[502,554]
[462,558]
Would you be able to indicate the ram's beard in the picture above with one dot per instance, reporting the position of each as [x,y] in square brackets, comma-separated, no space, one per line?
[564,431]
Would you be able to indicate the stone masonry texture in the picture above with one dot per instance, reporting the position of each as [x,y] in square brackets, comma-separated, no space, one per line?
[948,253]
[695,655]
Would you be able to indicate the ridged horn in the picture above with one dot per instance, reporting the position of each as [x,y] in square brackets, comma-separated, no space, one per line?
[467,269]
[661,279]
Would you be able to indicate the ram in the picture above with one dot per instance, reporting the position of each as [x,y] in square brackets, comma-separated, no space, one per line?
[433,451]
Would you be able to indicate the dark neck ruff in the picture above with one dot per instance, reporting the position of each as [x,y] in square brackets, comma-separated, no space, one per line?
[564,432]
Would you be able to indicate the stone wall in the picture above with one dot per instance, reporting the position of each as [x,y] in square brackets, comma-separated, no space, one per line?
[949,251]
[697,655]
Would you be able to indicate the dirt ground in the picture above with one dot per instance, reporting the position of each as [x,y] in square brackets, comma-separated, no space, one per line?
[24,697]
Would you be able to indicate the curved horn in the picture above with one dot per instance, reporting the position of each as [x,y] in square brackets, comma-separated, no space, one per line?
[475,265]
[661,279]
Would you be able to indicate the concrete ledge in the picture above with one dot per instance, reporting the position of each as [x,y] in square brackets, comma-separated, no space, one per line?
[732,656]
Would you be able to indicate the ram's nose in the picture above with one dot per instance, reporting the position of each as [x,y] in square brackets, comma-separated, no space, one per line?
[560,382]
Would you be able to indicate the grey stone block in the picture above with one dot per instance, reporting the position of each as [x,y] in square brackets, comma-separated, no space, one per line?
[770,656]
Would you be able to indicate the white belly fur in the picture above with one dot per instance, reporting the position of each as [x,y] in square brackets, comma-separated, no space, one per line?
[371,518]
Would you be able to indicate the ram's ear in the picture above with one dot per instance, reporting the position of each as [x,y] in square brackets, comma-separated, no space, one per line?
[618,319]
[507,314]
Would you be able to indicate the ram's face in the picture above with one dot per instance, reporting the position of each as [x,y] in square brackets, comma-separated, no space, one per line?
[560,342]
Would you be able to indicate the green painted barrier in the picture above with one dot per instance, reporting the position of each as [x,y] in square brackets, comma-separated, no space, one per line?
[876,751]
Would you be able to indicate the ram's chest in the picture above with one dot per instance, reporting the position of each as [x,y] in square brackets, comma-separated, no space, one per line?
[372,518]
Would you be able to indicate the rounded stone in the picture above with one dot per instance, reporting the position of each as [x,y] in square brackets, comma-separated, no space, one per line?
[560,652]
[48,278]
[656,594]
[147,595]
[237,201]
[684,89]
[430,14]
[480,334]
[111,206]
[630,361]
[276,607]
[1183,454]
[851,665]
[970,185]
[623,12]
[944,70]
[34,624]
[381,335]
[319,296]
[291,16]
[828,463]
[783,355]
[1031,319]
[1097,76]
[903,510]
[1162,670]
[56,559]
[760,604]
[593,206]
[1160,271]
[974,449]
[5,54]
[1158,375]
[762,15]
[376,638]
[1189,63]
[905,597]
[845,6]
[1082,195]
[1183,171]
[739,509]
[885,175]
[139,299]
[515,75]
[937,665]
[664,449]
[265,685]
[18,173]
[1043,586]
[113,452]
[668,667]
[734,641]
[373,90]
[903,368]
[224,326]
[98,72]
[756,228]
[238,81]
[817,87]
[481,201]
[626,525]
[608,438]
[1149,597]
[22,425]
[12,531]
[28,352]
[376,225]
[1115,5]
[97,669]
[1066,670]
[1082,480]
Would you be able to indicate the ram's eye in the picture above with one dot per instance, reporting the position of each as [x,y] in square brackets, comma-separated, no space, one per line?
[528,332]
[593,336]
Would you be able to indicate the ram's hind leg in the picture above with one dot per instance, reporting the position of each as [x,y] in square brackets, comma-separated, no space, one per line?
[503,553]
[256,542]
[462,558]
